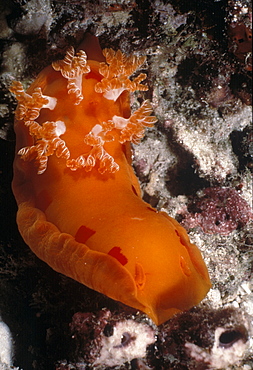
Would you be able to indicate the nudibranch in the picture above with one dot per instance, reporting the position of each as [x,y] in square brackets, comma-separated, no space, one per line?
[79,202]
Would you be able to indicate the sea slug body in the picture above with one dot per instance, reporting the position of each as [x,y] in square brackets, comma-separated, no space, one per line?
[79,202]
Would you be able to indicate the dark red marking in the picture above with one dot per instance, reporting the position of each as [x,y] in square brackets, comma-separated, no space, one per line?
[43,200]
[83,234]
[115,252]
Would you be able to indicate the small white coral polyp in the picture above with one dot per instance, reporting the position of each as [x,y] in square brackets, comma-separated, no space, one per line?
[128,341]
[221,355]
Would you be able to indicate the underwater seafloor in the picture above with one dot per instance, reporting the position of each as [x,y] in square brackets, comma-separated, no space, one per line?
[195,164]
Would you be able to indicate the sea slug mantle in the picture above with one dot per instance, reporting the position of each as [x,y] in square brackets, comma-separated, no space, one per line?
[79,202]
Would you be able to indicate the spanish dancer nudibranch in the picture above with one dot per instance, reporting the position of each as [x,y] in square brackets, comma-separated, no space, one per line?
[79,202]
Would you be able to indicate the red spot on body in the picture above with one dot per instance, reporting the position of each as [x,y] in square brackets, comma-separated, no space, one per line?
[115,252]
[83,234]
[43,200]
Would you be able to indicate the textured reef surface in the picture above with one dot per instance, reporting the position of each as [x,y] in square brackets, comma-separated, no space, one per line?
[195,164]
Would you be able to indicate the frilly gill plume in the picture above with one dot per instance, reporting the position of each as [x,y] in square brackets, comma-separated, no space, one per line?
[116,72]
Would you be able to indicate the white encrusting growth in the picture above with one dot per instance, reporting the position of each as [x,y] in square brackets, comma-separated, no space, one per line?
[128,341]
[5,345]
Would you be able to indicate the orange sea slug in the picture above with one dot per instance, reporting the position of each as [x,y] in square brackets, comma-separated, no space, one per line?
[79,202]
